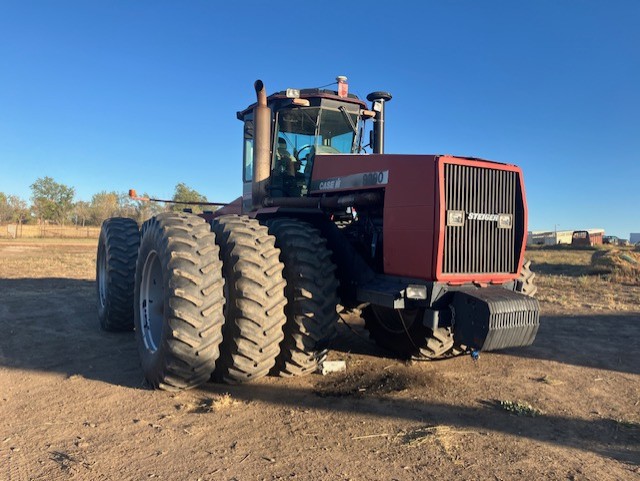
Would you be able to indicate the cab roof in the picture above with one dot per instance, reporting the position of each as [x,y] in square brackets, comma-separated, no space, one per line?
[279,99]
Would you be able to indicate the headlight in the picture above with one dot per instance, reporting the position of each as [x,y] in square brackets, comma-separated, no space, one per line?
[455,218]
[505,221]
[416,291]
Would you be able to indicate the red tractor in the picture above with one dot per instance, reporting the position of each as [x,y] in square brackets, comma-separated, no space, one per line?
[428,247]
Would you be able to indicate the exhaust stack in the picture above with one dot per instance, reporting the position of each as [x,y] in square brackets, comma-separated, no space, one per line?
[378,100]
[261,146]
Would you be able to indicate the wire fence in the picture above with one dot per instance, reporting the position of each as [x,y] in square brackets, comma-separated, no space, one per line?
[18,231]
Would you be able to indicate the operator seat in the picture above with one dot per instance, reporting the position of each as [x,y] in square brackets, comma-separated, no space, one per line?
[285,162]
[283,176]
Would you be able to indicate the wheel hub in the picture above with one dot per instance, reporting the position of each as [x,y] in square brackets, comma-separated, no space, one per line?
[151,303]
[102,277]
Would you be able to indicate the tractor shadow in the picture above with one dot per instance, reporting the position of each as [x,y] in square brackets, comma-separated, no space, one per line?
[51,325]
[605,341]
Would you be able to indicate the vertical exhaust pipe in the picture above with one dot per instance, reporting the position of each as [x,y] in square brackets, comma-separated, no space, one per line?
[261,146]
[378,100]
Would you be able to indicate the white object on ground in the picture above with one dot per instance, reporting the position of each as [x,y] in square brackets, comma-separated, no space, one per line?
[328,367]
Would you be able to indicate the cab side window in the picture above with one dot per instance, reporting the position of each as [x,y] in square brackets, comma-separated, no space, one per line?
[247,174]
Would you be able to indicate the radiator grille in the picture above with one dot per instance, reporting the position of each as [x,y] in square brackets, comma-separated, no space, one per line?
[480,246]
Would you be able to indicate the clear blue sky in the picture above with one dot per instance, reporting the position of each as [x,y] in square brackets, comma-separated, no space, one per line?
[112,95]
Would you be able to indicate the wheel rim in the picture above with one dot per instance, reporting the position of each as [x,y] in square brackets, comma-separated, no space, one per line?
[390,319]
[151,303]
[102,277]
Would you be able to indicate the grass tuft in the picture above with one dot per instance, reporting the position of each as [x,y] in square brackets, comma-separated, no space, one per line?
[520,408]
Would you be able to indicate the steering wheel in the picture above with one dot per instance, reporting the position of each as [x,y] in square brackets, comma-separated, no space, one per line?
[304,147]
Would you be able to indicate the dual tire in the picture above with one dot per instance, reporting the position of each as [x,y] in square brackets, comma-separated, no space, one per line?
[214,300]
[281,298]
[178,301]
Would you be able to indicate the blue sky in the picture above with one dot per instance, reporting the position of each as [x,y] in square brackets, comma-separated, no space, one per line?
[112,95]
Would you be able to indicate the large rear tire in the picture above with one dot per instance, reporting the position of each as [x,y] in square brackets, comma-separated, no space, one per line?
[255,299]
[402,331]
[115,273]
[179,301]
[311,293]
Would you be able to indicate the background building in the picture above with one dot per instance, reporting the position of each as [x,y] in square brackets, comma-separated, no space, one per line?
[550,238]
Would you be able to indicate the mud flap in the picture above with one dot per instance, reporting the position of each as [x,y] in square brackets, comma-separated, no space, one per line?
[492,318]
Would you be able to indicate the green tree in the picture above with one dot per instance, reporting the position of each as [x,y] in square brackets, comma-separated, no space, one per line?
[51,201]
[183,193]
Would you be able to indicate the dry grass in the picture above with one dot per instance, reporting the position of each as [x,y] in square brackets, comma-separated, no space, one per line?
[568,282]
[13,231]
[617,265]
[49,241]
[450,440]
[30,259]
[208,404]
[420,436]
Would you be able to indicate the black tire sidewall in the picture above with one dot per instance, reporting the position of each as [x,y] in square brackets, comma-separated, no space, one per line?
[152,362]
[120,231]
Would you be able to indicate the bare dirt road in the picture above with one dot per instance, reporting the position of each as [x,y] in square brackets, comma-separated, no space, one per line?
[73,404]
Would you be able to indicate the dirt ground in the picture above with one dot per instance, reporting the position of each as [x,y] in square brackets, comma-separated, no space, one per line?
[73,404]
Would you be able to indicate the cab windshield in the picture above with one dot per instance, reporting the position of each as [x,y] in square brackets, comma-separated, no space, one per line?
[302,133]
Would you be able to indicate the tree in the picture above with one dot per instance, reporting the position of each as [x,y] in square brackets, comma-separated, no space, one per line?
[145,209]
[104,205]
[51,201]
[82,212]
[5,213]
[12,209]
[183,193]
[18,209]
[127,207]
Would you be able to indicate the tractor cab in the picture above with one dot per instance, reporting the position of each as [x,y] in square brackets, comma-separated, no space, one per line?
[304,123]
